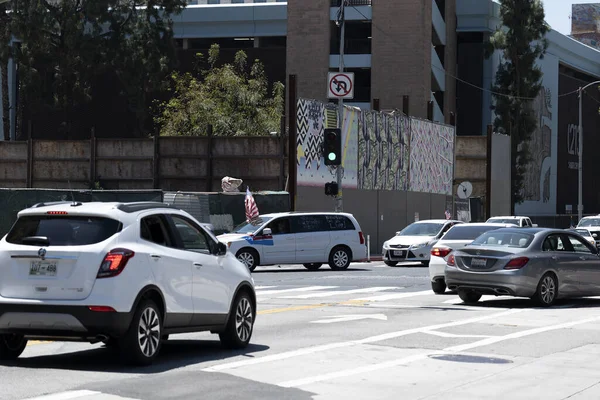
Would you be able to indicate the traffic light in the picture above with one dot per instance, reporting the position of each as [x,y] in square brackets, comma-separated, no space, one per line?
[331,189]
[332,147]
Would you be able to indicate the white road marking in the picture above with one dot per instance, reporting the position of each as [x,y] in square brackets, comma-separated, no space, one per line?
[453,335]
[422,356]
[263,287]
[483,298]
[346,318]
[342,292]
[393,296]
[300,289]
[73,394]
[316,349]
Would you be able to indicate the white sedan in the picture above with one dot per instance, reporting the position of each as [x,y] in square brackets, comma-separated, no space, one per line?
[458,236]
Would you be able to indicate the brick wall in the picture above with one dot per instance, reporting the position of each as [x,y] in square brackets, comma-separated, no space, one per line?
[402,55]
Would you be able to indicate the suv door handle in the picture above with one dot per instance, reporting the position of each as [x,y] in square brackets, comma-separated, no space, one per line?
[197,265]
[154,256]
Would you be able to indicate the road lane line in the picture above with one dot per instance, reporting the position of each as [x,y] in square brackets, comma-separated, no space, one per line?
[424,355]
[455,335]
[316,349]
[394,296]
[263,287]
[342,292]
[72,394]
[310,307]
[301,289]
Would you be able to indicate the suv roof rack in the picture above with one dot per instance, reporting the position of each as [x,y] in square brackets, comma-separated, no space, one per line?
[54,203]
[144,205]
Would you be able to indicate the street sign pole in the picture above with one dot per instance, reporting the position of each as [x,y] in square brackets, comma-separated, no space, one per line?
[339,205]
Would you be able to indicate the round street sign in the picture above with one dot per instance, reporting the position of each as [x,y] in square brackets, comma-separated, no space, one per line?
[341,85]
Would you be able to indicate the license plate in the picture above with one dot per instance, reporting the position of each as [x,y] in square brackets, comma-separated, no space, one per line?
[399,253]
[478,263]
[42,268]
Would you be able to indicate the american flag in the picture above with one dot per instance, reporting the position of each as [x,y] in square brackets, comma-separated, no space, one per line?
[448,215]
[251,208]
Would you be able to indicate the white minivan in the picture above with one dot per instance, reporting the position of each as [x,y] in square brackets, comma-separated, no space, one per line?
[308,238]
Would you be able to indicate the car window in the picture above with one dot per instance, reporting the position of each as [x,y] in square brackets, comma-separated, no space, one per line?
[421,229]
[555,242]
[310,223]
[280,226]
[589,222]
[192,237]
[339,223]
[152,229]
[504,239]
[64,230]
[467,232]
[579,246]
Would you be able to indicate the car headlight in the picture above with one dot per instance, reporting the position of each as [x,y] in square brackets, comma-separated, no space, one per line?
[418,246]
[385,245]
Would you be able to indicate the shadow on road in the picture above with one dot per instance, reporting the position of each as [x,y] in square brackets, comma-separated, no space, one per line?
[323,270]
[528,303]
[174,354]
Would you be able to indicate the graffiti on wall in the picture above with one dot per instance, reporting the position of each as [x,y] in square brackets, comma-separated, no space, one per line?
[431,157]
[381,151]
[384,151]
[536,184]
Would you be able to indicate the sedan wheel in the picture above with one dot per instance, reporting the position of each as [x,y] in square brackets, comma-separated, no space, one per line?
[469,296]
[11,346]
[547,290]
[439,286]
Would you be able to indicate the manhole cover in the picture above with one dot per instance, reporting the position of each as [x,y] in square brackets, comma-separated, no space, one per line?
[470,359]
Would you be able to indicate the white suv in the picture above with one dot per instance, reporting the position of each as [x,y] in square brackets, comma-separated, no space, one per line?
[126,274]
[298,238]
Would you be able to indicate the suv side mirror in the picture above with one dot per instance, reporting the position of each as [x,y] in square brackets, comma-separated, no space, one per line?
[221,249]
[267,232]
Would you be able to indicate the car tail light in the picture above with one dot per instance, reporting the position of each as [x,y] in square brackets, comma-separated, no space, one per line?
[451,261]
[361,237]
[57,213]
[101,309]
[114,262]
[440,251]
[517,263]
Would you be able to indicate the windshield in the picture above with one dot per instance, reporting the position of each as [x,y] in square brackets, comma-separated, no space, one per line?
[513,221]
[467,232]
[583,232]
[589,222]
[247,227]
[504,239]
[421,229]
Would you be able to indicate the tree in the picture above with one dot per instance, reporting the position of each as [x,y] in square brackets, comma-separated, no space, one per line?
[67,44]
[521,42]
[228,97]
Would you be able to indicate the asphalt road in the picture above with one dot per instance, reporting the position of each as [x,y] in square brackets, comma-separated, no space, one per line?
[371,332]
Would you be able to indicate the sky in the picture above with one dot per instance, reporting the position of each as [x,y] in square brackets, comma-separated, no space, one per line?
[558,13]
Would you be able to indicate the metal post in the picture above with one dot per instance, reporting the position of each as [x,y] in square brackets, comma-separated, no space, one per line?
[292,145]
[339,205]
[368,248]
[488,174]
[580,166]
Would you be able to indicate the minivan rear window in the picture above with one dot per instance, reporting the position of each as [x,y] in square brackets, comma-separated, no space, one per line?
[63,231]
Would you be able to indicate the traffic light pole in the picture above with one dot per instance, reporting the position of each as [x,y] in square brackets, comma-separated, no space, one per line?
[339,204]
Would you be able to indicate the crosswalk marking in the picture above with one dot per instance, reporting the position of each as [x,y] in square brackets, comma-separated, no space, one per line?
[300,289]
[81,394]
[341,292]
[393,296]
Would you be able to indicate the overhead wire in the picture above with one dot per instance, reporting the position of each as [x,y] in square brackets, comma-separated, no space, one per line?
[455,77]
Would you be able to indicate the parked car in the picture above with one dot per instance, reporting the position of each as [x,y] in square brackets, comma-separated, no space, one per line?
[586,234]
[126,274]
[523,222]
[456,238]
[414,242]
[540,263]
[311,239]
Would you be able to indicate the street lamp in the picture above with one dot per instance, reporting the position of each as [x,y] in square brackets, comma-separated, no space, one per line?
[580,167]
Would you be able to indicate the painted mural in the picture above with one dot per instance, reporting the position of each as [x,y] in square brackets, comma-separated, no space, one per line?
[585,24]
[381,151]
[383,147]
[312,119]
[431,157]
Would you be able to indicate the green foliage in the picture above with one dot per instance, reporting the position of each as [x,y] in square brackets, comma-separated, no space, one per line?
[233,98]
[521,42]
[66,45]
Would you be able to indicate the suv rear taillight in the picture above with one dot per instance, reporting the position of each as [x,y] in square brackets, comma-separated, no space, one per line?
[114,263]
[361,237]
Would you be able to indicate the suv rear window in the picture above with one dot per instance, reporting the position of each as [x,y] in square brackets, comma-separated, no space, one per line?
[64,231]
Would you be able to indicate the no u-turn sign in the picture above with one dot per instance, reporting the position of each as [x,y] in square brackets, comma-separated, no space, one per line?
[340,85]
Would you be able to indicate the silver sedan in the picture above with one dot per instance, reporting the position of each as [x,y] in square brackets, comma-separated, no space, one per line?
[540,263]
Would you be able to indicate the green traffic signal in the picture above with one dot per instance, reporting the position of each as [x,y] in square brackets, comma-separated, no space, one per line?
[331,156]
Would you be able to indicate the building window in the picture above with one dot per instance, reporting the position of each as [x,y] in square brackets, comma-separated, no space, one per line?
[357,38]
